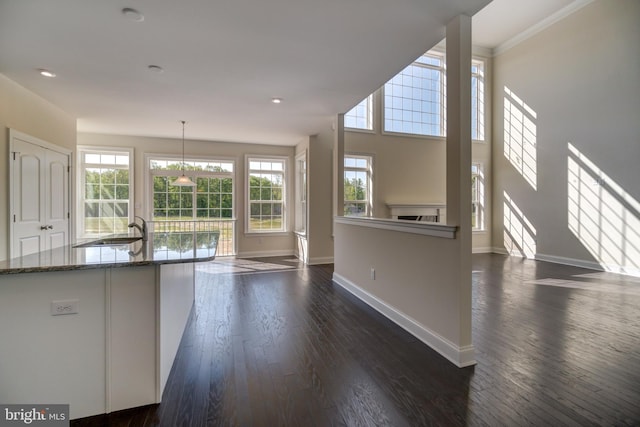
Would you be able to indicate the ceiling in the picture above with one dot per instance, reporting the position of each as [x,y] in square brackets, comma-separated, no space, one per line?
[223,61]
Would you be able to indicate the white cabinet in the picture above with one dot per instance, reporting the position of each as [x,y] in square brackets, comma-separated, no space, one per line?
[39,196]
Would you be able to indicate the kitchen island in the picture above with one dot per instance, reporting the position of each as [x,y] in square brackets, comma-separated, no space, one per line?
[97,326]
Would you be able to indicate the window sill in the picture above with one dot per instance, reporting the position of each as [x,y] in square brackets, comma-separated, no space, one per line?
[357,130]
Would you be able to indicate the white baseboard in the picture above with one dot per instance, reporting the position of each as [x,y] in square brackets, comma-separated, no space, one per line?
[459,356]
[321,260]
[482,250]
[618,269]
[591,265]
[501,251]
[264,254]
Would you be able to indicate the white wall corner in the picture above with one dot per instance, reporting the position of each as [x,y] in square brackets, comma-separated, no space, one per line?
[482,250]
[459,356]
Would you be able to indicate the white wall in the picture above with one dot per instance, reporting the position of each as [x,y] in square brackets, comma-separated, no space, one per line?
[579,201]
[248,244]
[320,169]
[26,112]
[419,290]
[54,359]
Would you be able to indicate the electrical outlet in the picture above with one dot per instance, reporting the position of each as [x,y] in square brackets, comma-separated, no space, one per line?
[64,307]
[373,273]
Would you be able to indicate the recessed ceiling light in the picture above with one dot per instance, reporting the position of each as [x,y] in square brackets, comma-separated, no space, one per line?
[156,68]
[46,73]
[276,100]
[133,14]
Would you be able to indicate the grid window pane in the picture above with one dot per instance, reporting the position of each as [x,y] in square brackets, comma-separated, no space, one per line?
[415,103]
[214,180]
[357,185]
[360,116]
[265,192]
[106,195]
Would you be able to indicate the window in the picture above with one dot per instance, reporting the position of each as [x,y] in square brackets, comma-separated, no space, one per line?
[477,100]
[477,197]
[266,194]
[301,193]
[360,116]
[357,185]
[415,99]
[105,195]
[211,198]
[207,206]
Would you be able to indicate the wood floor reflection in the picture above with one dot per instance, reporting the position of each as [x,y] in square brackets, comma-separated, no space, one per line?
[555,345]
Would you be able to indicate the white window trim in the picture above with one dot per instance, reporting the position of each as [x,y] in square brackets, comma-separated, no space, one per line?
[477,59]
[480,223]
[371,173]
[148,181]
[285,195]
[298,202]
[80,183]
[371,104]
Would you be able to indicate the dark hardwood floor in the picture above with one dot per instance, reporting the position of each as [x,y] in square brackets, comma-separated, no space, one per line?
[555,345]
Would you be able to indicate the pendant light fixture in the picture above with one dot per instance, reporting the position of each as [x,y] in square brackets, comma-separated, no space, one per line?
[183,180]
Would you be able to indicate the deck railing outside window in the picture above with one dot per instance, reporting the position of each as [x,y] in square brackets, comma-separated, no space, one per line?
[224,226]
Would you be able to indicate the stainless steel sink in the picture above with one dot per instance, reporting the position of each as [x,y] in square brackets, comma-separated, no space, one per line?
[109,241]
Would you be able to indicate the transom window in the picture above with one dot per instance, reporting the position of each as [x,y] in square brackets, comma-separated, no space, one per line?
[415,99]
[358,176]
[477,100]
[266,194]
[105,191]
[360,116]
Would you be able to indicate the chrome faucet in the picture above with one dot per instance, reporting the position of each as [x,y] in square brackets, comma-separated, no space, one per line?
[142,229]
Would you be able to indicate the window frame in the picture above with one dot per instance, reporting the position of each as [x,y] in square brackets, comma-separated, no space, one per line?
[193,174]
[285,179]
[369,170]
[476,61]
[81,183]
[434,54]
[302,192]
[478,197]
[369,111]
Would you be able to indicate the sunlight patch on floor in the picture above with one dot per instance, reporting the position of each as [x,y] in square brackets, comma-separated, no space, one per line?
[586,286]
[240,266]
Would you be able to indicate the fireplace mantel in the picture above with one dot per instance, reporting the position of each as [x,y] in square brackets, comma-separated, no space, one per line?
[430,212]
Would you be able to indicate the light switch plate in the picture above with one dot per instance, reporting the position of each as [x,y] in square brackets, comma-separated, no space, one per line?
[64,307]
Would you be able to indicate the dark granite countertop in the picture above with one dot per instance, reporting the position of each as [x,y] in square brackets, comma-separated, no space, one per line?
[161,248]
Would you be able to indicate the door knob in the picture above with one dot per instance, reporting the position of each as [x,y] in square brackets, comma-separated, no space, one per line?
[43,227]
[50,227]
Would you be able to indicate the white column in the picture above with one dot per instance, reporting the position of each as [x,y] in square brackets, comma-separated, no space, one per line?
[459,159]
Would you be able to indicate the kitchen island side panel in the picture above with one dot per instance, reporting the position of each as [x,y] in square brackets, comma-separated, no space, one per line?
[54,359]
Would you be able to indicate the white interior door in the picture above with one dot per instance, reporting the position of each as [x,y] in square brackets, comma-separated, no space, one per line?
[40,197]
[57,205]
